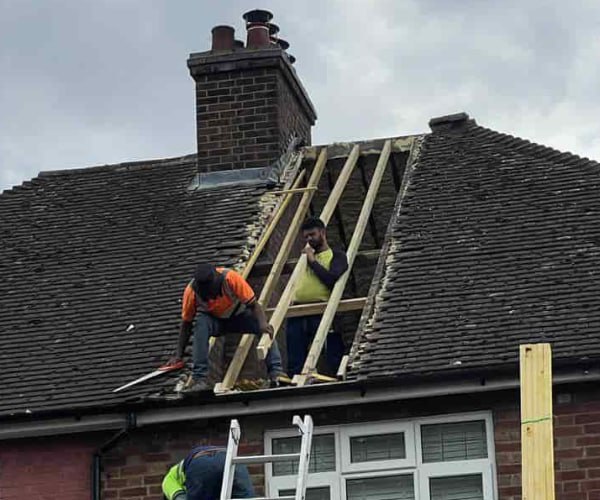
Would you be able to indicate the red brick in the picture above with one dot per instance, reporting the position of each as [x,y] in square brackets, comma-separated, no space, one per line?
[133,492]
[569,430]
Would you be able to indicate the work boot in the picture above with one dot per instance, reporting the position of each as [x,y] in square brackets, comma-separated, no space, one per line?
[279,379]
[197,385]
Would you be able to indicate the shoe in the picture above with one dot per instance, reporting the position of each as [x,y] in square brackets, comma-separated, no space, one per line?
[279,379]
[197,385]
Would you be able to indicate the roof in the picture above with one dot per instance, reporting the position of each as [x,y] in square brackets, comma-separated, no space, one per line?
[495,242]
[93,263]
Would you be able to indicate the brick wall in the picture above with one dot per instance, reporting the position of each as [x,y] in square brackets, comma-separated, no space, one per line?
[59,468]
[247,108]
[47,468]
[135,468]
[576,447]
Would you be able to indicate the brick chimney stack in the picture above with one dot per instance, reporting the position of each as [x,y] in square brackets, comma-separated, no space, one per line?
[249,100]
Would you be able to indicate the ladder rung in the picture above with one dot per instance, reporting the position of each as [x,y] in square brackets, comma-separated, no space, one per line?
[265,459]
[273,498]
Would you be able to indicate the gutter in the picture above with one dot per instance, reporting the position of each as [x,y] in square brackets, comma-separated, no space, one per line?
[283,400]
[97,456]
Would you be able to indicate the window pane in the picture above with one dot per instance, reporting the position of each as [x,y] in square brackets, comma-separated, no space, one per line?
[456,488]
[377,447]
[321,493]
[381,488]
[454,441]
[322,454]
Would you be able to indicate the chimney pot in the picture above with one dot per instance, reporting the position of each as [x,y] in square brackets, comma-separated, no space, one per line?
[284,44]
[258,36]
[223,38]
[258,16]
[273,29]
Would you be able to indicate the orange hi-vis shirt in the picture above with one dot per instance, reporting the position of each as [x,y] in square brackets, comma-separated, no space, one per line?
[223,305]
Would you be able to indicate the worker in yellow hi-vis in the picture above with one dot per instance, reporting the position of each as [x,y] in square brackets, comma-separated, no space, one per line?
[325,266]
[200,475]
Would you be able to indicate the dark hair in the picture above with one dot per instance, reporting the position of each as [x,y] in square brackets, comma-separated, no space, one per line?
[204,274]
[312,223]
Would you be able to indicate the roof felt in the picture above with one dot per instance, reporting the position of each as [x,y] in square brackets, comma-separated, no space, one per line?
[495,243]
[93,264]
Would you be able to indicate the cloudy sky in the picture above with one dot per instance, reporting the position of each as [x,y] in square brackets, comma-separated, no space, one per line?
[89,82]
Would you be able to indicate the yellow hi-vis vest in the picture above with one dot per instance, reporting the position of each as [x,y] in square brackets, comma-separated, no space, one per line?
[311,288]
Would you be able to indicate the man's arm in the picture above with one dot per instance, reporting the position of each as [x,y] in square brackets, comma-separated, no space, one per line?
[173,485]
[339,265]
[185,331]
[259,314]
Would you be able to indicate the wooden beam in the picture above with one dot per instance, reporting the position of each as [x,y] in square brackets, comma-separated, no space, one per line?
[341,373]
[241,353]
[288,294]
[364,257]
[537,447]
[338,289]
[319,307]
[260,246]
[295,190]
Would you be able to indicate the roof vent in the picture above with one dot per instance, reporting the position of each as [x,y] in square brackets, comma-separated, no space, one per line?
[456,121]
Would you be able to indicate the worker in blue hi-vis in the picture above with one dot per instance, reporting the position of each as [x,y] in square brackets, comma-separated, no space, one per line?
[200,475]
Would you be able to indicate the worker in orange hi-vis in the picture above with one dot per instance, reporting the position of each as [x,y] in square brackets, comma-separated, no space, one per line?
[218,301]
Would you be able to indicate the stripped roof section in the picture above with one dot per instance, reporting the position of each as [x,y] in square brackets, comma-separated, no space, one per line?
[495,243]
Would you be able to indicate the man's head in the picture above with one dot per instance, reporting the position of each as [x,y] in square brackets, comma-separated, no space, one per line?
[314,233]
[207,282]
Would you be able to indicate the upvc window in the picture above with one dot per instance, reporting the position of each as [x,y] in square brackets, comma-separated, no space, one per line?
[449,457]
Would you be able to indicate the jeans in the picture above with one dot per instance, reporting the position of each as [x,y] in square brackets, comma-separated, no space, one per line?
[204,476]
[207,326]
[300,332]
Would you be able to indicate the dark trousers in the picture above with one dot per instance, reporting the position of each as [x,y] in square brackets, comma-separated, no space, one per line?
[300,332]
[204,475]
[207,326]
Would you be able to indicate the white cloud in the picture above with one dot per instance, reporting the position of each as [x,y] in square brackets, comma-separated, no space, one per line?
[89,83]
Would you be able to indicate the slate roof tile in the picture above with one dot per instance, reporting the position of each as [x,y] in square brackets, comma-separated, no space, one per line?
[496,243]
[86,253]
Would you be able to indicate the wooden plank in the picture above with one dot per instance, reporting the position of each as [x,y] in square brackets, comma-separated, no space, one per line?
[241,353]
[341,373]
[319,307]
[537,450]
[338,289]
[288,294]
[295,190]
[260,246]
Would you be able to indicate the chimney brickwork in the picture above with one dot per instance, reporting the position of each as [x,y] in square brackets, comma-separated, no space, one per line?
[249,105]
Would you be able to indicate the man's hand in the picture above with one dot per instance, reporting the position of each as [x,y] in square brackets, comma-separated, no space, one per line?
[268,329]
[174,360]
[309,252]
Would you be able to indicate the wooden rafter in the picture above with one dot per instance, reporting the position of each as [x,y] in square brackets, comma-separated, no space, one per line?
[280,311]
[260,246]
[336,294]
[239,358]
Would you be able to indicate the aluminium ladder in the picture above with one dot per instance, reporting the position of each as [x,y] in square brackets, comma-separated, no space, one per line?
[305,428]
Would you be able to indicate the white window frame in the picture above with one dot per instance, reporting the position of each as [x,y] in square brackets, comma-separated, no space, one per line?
[484,466]
[412,464]
[374,429]
[384,473]
[315,479]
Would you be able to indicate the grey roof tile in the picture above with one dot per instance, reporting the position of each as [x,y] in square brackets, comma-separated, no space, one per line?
[84,254]
[496,243]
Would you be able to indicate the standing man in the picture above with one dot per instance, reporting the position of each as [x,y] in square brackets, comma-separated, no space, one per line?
[325,266]
[220,301]
[200,476]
